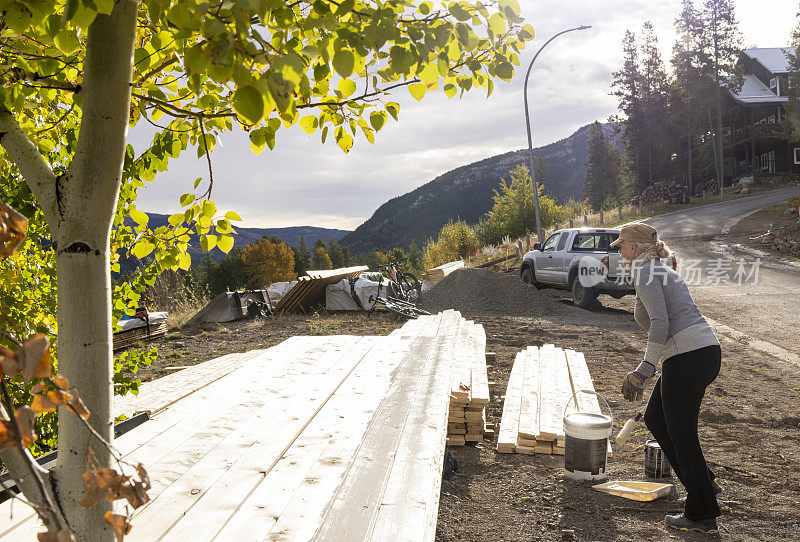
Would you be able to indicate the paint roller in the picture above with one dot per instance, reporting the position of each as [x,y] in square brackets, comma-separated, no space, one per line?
[627,429]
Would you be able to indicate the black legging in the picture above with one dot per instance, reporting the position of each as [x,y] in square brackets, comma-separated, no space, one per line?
[671,416]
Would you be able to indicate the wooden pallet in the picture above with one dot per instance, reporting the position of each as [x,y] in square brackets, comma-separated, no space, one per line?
[310,289]
[543,386]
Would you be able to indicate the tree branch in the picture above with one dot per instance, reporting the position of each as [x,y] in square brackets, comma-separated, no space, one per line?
[34,169]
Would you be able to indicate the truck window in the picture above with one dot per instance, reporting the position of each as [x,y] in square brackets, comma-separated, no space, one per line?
[550,244]
[584,241]
[562,242]
[609,238]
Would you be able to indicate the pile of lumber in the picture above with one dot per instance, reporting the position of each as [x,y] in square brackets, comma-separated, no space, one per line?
[438,273]
[138,335]
[469,387]
[310,289]
[325,438]
[544,385]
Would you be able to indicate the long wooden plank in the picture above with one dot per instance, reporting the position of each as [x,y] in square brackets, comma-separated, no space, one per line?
[351,412]
[163,435]
[582,380]
[351,514]
[529,410]
[509,422]
[410,502]
[555,392]
[480,378]
[219,496]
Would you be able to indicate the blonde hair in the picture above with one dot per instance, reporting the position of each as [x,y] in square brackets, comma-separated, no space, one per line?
[656,249]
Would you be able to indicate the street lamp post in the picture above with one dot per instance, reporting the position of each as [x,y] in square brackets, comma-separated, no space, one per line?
[528,125]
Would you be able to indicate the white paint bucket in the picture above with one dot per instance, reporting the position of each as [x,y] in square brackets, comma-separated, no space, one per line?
[586,442]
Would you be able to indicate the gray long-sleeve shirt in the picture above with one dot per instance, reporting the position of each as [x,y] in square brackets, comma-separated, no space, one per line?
[666,310]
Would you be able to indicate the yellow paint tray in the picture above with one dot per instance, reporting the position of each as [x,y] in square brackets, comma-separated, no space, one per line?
[636,491]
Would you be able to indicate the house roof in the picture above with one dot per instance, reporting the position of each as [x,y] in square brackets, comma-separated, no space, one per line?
[755,91]
[775,59]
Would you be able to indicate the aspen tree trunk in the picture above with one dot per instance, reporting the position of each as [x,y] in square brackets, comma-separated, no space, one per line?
[79,207]
[89,193]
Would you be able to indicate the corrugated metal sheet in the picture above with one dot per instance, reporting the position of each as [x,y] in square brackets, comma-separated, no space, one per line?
[755,91]
[775,59]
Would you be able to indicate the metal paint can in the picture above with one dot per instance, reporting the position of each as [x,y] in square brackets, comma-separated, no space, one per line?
[656,464]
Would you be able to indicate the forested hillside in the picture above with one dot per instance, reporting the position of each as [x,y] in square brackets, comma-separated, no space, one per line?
[466,193]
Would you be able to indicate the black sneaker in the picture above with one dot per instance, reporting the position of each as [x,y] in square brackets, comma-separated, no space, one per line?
[683,523]
[717,492]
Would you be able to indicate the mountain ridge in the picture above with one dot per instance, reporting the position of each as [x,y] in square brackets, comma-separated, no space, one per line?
[466,193]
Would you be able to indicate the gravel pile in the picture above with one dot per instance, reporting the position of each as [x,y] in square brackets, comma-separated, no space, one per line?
[484,292]
[785,240]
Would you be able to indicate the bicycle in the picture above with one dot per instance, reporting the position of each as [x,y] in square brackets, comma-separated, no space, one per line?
[403,293]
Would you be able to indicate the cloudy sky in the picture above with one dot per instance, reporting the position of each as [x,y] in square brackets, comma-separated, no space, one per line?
[304,183]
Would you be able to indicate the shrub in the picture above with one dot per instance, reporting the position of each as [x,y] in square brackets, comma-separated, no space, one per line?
[455,240]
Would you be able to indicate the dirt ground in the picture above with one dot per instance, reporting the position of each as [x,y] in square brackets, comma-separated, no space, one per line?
[750,230]
[750,428]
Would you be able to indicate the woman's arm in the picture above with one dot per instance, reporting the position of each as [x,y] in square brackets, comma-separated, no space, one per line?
[651,294]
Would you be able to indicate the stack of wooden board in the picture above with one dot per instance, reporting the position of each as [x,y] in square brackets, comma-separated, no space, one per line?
[438,273]
[469,388]
[310,290]
[138,335]
[544,384]
[327,438]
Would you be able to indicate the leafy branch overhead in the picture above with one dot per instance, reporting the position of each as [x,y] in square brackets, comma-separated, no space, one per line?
[261,62]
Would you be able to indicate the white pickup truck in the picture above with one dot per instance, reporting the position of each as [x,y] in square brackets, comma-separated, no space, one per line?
[573,251]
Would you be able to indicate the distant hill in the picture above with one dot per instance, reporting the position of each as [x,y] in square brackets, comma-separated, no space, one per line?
[245,236]
[466,193]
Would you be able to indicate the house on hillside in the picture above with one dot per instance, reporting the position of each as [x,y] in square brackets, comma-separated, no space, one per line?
[756,141]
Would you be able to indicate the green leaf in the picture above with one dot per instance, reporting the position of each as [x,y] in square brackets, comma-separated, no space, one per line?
[450,90]
[346,87]
[67,41]
[258,140]
[233,216]
[425,7]
[139,217]
[207,242]
[417,90]
[249,103]
[504,70]
[209,208]
[344,140]
[527,33]
[186,199]
[497,24]
[205,144]
[175,220]
[393,109]
[225,243]
[510,5]
[377,119]
[184,261]
[457,11]
[142,249]
[308,124]
[344,62]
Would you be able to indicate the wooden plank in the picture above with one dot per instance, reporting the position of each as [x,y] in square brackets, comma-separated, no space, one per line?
[410,503]
[480,378]
[555,392]
[509,422]
[342,425]
[529,410]
[160,437]
[199,499]
[582,380]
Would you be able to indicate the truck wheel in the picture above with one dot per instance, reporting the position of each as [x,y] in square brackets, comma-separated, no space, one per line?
[582,297]
[529,278]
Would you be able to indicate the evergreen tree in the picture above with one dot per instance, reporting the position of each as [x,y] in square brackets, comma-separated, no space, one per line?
[302,259]
[793,85]
[654,87]
[631,126]
[336,254]
[320,260]
[230,273]
[719,63]
[601,182]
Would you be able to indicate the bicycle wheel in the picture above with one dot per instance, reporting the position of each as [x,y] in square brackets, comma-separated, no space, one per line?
[412,287]
[399,308]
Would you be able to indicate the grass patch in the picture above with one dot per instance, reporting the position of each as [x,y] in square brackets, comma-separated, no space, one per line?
[174,336]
